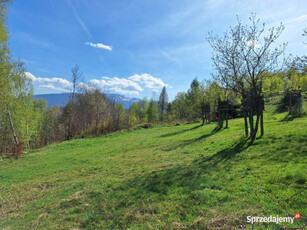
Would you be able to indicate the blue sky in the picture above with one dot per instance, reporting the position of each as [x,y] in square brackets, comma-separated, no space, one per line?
[134,47]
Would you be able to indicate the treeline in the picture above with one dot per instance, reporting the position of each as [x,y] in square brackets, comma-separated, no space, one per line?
[27,123]
[89,112]
[292,79]
[245,71]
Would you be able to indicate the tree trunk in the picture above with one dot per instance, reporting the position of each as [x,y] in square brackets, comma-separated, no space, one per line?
[13,129]
[28,141]
[261,123]
[245,124]
[227,119]
[253,137]
[290,104]
[251,122]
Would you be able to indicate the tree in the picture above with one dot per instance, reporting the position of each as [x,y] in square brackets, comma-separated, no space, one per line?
[152,112]
[69,110]
[50,128]
[204,102]
[163,101]
[134,114]
[242,56]
[120,116]
[76,79]
[179,105]
[18,115]
[301,62]
[194,99]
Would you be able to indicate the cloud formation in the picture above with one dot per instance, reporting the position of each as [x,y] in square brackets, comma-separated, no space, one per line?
[99,45]
[115,84]
[148,80]
[118,85]
[52,87]
[50,83]
[79,19]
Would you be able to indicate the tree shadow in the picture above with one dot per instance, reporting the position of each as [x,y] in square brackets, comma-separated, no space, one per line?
[216,129]
[181,131]
[188,176]
[187,180]
[184,143]
[228,153]
[290,117]
[181,144]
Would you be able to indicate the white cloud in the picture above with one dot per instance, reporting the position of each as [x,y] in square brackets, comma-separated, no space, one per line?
[149,81]
[98,45]
[55,83]
[118,85]
[51,86]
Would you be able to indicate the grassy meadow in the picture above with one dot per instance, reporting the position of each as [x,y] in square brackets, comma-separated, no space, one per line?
[167,177]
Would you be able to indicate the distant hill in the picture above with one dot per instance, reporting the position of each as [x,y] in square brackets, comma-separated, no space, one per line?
[61,99]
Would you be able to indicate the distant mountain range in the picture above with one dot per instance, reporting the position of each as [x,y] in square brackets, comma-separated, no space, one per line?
[61,99]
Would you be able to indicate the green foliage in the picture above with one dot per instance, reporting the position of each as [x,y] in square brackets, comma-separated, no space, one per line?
[180,106]
[193,97]
[19,117]
[162,103]
[152,112]
[133,114]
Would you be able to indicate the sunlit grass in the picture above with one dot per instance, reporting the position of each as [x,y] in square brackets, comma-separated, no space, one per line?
[166,177]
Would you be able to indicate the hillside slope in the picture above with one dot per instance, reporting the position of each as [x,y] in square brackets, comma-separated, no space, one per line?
[167,177]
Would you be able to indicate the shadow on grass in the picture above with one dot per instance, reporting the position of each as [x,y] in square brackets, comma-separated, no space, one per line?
[187,186]
[291,117]
[184,143]
[180,132]
[228,153]
[186,182]
[189,176]
[217,129]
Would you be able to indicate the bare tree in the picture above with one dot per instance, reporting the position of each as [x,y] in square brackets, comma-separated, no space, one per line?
[76,79]
[69,110]
[242,56]
[300,63]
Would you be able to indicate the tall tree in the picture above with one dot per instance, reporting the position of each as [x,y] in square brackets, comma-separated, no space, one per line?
[76,79]
[194,99]
[17,112]
[180,105]
[163,102]
[70,108]
[152,111]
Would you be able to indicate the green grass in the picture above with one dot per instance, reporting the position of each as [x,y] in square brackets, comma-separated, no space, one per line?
[166,177]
